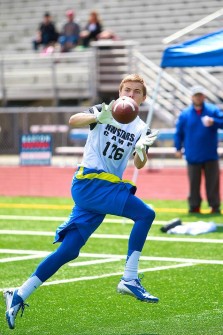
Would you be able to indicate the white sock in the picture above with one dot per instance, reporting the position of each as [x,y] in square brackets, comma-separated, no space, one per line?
[131,266]
[29,287]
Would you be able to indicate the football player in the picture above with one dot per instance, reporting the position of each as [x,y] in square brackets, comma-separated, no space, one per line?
[98,189]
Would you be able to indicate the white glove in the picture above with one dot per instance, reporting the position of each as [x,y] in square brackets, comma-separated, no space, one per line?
[105,116]
[145,140]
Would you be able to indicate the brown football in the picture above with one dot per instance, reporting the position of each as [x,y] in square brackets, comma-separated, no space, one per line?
[125,110]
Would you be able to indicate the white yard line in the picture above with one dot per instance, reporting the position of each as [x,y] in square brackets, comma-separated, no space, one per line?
[150,258]
[116,236]
[100,258]
[103,258]
[21,258]
[23,252]
[31,218]
[106,275]
[97,261]
[52,218]
[26,232]
[106,257]
[61,219]
[161,239]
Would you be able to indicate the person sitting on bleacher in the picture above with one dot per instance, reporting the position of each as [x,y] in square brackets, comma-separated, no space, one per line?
[47,34]
[69,37]
[92,29]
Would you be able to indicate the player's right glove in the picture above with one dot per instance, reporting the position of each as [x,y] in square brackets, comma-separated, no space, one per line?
[144,141]
[105,116]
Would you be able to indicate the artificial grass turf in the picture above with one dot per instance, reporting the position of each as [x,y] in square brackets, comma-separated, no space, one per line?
[190,296]
[94,307]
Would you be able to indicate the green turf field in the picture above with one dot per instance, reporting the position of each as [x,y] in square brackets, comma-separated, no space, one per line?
[185,272]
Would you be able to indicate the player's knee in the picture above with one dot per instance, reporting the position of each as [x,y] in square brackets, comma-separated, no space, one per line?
[150,214]
[153,214]
[72,255]
[147,215]
[67,254]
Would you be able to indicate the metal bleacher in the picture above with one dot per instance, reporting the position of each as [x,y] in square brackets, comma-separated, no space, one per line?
[30,77]
[33,79]
[147,22]
[163,148]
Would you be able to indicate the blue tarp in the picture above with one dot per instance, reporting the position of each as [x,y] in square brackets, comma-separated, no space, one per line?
[206,50]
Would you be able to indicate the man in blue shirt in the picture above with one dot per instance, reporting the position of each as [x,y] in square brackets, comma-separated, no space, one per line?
[197,133]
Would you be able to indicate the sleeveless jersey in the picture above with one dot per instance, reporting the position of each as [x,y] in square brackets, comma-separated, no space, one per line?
[108,148]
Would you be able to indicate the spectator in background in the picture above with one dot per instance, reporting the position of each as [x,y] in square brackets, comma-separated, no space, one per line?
[108,35]
[69,37]
[197,131]
[92,29]
[47,34]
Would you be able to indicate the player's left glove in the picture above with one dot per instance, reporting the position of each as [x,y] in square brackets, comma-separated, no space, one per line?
[145,140]
[105,116]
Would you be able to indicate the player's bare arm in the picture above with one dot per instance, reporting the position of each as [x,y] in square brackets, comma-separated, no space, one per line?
[82,119]
[146,140]
[139,164]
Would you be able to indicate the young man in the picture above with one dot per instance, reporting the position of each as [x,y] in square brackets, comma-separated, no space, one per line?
[197,132]
[97,190]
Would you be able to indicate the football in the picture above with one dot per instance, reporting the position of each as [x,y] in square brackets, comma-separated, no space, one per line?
[125,110]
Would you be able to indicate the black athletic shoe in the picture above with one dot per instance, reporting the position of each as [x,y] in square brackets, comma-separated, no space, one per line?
[173,223]
[215,211]
[194,210]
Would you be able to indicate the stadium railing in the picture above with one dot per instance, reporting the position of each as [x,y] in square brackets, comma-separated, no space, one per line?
[163,148]
[25,77]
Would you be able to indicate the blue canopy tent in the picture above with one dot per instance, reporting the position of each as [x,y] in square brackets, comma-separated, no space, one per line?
[206,50]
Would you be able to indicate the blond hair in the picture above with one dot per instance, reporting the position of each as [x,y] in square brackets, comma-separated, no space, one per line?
[134,78]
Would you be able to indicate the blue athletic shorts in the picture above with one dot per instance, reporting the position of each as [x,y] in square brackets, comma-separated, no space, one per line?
[95,193]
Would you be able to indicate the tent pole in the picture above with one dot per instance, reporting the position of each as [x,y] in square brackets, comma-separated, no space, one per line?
[148,120]
[150,114]
[154,98]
